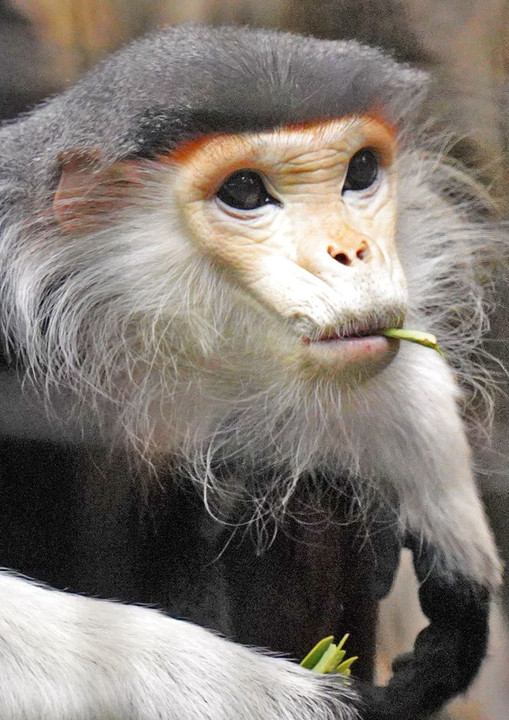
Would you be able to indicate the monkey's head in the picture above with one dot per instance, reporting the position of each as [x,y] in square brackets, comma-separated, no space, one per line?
[212,228]
[299,222]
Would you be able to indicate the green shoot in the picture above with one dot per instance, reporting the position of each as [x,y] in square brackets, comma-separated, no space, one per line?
[415,336]
[326,657]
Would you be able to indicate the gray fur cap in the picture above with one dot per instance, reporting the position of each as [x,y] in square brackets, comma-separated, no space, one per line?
[187,80]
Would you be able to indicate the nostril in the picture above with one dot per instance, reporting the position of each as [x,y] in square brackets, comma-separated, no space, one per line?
[362,253]
[342,258]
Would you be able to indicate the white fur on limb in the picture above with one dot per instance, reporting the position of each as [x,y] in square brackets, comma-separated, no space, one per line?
[88,659]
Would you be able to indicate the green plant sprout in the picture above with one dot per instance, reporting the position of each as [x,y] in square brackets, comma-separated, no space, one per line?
[415,336]
[326,657]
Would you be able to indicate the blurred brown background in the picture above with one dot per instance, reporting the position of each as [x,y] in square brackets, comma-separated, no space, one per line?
[47,44]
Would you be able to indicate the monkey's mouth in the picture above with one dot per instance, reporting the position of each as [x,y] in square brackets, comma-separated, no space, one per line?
[365,351]
[358,332]
[368,340]
[333,337]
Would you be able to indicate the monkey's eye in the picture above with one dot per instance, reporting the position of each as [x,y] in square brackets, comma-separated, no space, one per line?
[362,170]
[244,190]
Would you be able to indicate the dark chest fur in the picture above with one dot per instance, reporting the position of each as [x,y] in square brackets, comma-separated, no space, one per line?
[79,523]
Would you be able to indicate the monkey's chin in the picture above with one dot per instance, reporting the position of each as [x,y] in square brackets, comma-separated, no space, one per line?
[351,359]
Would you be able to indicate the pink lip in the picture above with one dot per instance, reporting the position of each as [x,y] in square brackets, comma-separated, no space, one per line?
[354,350]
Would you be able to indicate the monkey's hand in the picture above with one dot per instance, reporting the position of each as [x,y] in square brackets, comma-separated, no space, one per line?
[447,653]
[68,657]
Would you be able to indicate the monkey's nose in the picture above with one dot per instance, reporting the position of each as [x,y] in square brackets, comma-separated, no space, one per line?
[351,255]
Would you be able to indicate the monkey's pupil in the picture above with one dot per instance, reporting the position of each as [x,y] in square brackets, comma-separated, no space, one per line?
[362,170]
[244,190]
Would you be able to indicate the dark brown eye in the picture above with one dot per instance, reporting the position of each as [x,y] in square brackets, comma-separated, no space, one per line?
[244,190]
[362,170]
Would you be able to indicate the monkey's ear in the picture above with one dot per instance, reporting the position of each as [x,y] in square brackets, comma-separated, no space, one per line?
[88,192]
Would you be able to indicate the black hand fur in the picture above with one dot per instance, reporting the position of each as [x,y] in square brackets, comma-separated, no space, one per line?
[447,653]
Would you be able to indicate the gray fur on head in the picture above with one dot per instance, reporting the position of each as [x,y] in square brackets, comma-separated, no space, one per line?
[186,80]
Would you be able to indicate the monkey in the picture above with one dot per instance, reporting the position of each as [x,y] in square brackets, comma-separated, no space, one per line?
[202,243]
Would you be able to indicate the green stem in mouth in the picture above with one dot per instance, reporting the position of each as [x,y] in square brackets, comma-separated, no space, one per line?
[415,336]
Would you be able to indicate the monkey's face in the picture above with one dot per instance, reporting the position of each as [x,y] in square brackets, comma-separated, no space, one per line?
[303,220]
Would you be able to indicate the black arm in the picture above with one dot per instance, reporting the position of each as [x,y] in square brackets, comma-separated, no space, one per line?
[447,653]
